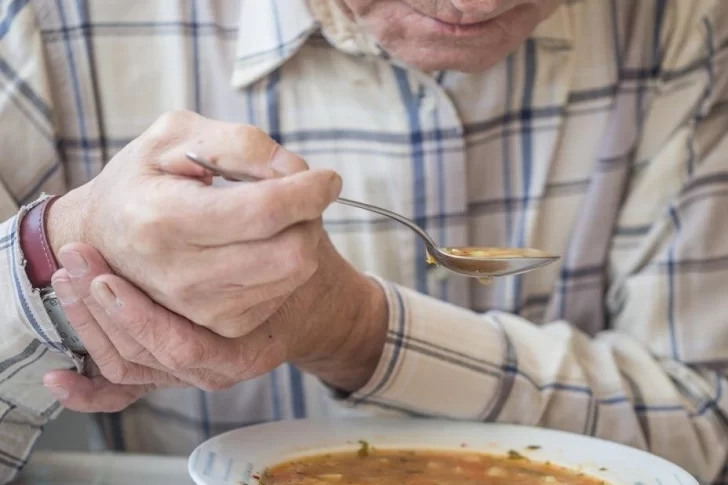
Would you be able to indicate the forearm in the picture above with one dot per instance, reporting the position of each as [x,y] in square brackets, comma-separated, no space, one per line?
[30,347]
[356,358]
[356,309]
[441,360]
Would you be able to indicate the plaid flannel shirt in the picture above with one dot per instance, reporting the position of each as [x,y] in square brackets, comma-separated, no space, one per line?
[602,139]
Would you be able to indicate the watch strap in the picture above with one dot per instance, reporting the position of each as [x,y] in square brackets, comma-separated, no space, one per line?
[40,261]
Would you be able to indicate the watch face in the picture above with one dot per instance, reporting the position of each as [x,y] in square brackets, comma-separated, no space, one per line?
[69,338]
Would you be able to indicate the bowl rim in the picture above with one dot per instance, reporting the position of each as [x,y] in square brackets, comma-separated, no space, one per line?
[413,422]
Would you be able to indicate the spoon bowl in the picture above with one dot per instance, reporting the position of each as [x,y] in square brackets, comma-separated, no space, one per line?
[488,263]
[476,262]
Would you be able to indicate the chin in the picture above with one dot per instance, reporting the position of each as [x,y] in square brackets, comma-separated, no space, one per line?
[458,63]
[436,58]
[432,45]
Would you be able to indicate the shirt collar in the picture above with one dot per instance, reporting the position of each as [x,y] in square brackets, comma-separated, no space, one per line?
[557,27]
[269,34]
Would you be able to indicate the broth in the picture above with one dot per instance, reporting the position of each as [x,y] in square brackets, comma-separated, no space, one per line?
[421,467]
[484,263]
[505,253]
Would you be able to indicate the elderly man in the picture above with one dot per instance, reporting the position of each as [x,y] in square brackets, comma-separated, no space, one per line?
[593,129]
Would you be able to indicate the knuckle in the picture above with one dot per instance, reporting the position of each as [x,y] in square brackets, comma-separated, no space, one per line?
[140,325]
[80,324]
[287,162]
[179,353]
[115,373]
[250,140]
[171,121]
[236,323]
[146,225]
[297,255]
[134,353]
[218,315]
[105,362]
[167,130]
[239,329]
[172,360]
[256,361]
[180,289]
[234,332]
[247,134]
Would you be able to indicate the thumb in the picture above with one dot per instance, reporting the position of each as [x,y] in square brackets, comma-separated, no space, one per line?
[83,263]
[92,394]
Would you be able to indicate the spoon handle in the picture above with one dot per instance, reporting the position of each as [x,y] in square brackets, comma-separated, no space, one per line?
[241,177]
[392,215]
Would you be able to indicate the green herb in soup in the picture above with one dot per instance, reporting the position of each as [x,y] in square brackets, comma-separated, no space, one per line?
[408,467]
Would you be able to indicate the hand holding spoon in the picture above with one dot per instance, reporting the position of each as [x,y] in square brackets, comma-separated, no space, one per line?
[482,263]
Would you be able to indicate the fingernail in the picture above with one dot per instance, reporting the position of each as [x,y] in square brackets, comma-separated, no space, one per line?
[64,290]
[73,262]
[59,392]
[105,297]
[285,162]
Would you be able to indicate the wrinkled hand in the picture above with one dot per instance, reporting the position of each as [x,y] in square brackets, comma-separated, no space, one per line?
[138,345]
[225,257]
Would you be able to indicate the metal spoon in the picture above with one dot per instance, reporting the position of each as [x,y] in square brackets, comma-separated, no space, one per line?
[482,263]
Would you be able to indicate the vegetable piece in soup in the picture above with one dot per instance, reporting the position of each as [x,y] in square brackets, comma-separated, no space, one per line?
[421,467]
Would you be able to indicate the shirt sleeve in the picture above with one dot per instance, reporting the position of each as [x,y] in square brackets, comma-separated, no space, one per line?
[657,378]
[29,346]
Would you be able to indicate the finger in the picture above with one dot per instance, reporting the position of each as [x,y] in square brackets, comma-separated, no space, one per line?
[209,215]
[278,163]
[94,339]
[235,324]
[245,280]
[248,149]
[97,343]
[234,146]
[94,394]
[145,366]
[174,341]
[282,162]
[83,263]
[154,327]
[258,352]
[87,263]
[282,262]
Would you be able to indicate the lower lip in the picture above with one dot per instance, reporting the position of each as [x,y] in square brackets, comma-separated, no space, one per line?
[460,30]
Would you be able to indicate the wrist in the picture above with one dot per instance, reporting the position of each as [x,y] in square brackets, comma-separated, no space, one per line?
[361,356]
[350,362]
[63,224]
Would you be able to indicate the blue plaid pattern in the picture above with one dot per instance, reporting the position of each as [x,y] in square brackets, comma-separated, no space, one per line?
[602,138]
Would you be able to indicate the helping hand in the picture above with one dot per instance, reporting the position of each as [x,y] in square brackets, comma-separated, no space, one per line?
[137,346]
[333,325]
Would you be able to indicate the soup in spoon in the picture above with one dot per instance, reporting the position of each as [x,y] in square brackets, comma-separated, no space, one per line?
[485,263]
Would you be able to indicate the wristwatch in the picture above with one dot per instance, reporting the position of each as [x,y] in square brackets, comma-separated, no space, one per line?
[40,265]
